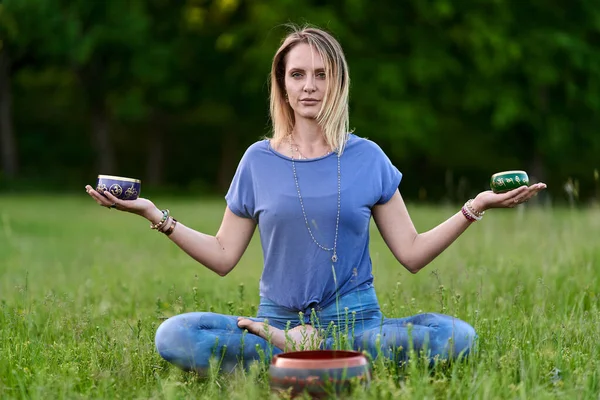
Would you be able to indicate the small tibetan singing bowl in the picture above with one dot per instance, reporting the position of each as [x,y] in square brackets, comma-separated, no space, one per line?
[120,187]
[319,373]
[508,180]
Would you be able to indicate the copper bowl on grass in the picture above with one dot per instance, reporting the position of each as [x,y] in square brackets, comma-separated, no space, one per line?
[120,187]
[508,180]
[320,373]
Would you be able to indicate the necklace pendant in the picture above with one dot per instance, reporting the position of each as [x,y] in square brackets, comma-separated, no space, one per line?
[334,257]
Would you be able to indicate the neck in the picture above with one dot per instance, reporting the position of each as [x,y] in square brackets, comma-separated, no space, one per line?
[309,136]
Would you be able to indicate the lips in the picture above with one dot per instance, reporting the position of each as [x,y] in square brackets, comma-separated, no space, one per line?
[309,101]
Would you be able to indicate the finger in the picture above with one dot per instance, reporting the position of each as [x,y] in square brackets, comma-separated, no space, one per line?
[522,197]
[534,190]
[101,200]
[511,198]
[511,194]
[530,192]
[110,196]
[114,202]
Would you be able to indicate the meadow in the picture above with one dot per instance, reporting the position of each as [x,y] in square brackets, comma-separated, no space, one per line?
[83,290]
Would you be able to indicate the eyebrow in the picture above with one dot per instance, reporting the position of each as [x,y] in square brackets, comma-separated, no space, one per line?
[298,69]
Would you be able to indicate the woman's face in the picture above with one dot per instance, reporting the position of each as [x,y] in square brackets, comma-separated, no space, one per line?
[305,80]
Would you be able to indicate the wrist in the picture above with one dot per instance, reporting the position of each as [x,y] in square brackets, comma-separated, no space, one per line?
[154,215]
[477,206]
[471,213]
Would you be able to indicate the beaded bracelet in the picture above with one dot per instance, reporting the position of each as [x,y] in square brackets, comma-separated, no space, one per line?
[468,215]
[171,228]
[469,212]
[166,225]
[469,205]
[160,224]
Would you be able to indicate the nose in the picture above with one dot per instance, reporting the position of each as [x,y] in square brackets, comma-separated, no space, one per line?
[310,87]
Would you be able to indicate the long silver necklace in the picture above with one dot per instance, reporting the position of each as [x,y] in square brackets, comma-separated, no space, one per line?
[334,257]
[297,149]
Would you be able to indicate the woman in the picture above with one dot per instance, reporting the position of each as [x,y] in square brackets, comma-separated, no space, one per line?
[311,189]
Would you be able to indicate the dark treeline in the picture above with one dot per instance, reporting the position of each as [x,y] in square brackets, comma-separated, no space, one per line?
[173,92]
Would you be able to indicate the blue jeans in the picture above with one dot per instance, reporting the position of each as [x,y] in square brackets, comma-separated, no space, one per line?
[353,322]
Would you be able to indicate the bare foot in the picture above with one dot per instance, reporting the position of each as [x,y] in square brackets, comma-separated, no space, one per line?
[302,337]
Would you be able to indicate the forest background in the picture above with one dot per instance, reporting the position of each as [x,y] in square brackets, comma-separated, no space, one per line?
[173,92]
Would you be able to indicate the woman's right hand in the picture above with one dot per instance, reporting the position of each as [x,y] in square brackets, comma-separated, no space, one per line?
[139,206]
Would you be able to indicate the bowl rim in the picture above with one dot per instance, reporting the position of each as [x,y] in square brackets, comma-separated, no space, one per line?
[119,178]
[511,172]
[344,359]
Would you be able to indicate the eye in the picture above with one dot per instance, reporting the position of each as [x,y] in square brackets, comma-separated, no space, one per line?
[321,75]
[296,74]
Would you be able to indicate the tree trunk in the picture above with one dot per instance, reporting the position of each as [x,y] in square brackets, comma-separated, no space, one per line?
[8,144]
[228,161]
[105,153]
[536,168]
[155,151]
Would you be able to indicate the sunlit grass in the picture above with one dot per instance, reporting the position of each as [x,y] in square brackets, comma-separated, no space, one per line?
[83,290]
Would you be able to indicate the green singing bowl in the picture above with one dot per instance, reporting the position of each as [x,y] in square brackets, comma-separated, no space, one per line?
[508,180]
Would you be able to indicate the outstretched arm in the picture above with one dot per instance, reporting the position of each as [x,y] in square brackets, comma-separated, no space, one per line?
[415,250]
[219,253]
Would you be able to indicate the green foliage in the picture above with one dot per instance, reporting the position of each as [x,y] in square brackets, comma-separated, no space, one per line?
[25,27]
[465,88]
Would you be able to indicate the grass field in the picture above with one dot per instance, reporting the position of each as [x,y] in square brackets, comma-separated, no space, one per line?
[83,289]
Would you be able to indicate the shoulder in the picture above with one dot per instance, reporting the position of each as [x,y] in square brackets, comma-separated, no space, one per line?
[256,150]
[361,146]
[258,147]
[252,156]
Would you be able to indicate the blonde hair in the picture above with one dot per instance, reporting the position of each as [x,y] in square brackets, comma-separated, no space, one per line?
[333,116]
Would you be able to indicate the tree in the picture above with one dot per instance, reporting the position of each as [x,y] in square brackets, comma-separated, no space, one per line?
[25,38]
[8,144]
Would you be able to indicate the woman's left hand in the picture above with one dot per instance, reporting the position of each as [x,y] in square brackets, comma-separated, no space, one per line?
[488,199]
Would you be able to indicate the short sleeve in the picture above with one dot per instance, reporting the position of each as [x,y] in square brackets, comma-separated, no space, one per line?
[240,196]
[390,177]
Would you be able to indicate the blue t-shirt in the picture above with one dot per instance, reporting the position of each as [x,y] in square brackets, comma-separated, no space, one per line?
[297,273]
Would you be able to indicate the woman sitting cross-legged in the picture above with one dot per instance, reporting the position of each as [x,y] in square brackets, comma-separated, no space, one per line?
[311,189]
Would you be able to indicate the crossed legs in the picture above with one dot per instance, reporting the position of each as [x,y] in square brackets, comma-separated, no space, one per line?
[190,340]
